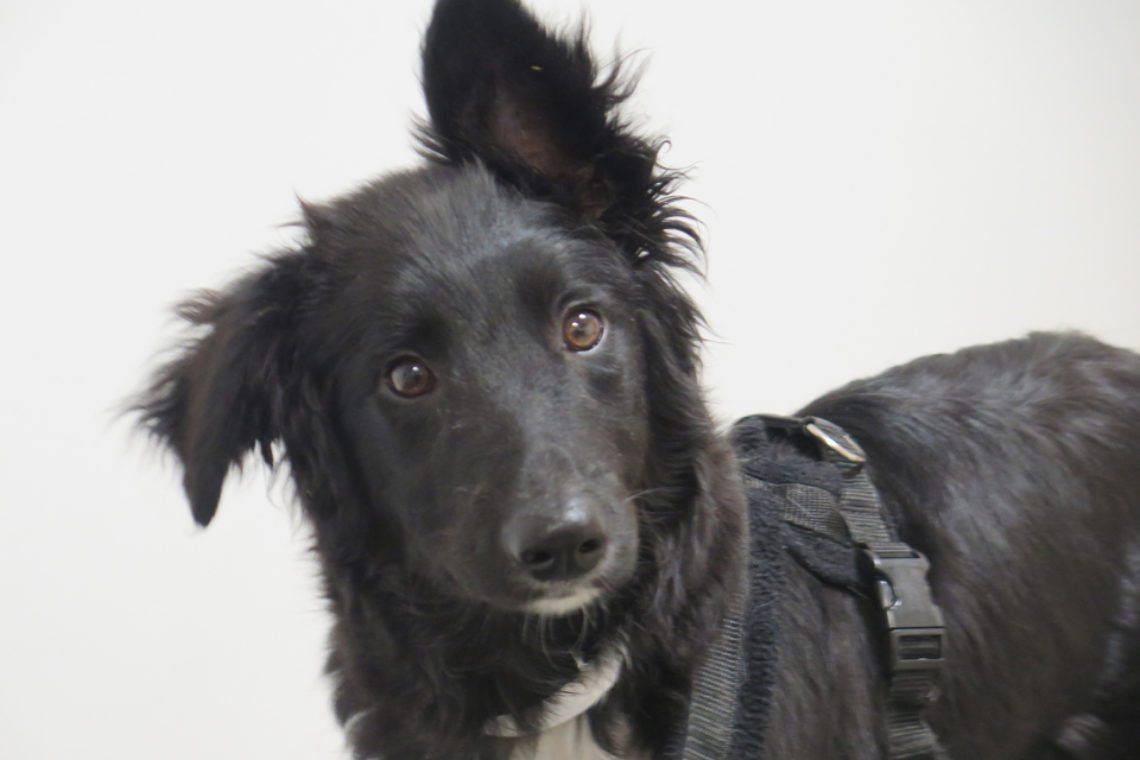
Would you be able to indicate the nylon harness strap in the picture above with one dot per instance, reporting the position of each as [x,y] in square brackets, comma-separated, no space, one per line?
[893,571]
[913,621]
[712,706]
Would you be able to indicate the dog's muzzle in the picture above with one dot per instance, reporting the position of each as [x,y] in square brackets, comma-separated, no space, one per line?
[562,547]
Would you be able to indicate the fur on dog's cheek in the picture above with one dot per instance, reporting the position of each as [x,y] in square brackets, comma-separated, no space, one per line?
[606,382]
[611,370]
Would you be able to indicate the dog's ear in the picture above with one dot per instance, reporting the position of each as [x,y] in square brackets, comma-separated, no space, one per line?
[501,88]
[221,396]
[529,104]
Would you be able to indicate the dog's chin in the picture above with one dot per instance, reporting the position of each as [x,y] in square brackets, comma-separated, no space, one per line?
[562,605]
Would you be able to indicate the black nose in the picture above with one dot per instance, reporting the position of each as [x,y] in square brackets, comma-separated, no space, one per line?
[563,548]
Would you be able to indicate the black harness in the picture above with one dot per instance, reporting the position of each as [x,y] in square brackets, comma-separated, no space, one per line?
[820,501]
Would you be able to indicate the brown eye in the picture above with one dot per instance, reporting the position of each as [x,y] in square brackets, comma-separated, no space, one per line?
[410,377]
[582,330]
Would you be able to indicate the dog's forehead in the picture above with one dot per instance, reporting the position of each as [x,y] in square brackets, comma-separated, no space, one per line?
[455,245]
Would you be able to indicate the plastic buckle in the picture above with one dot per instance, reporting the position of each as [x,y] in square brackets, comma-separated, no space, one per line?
[914,622]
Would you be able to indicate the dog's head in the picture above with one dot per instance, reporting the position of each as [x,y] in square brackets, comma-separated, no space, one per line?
[482,371]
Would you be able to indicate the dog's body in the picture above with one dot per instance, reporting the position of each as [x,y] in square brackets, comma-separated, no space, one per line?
[1015,468]
[484,377]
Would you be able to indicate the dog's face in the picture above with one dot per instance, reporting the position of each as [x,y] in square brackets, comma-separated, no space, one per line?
[475,368]
[492,399]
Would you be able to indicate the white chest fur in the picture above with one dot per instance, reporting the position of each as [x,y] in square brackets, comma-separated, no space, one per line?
[565,730]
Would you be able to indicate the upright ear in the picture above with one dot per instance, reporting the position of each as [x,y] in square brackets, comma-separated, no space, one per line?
[527,103]
[221,396]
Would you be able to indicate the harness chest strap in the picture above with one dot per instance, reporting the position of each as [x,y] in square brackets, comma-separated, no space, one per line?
[713,702]
[893,571]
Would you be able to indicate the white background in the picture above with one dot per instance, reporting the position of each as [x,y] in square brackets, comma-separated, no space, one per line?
[880,180]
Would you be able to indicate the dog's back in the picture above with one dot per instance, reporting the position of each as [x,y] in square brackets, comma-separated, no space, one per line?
[1015,468]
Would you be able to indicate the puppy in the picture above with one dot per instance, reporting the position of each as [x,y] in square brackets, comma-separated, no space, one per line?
[484,377]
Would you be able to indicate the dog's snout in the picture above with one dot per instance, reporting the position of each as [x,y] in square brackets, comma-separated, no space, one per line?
[560,547]
[563,553]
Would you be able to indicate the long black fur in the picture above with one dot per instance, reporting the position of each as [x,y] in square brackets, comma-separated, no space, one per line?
[1015,467]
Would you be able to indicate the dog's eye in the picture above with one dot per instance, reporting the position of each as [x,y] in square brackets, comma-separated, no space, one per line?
[582,330]
[410,377]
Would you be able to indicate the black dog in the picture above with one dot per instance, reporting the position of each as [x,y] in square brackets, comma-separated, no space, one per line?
[484,377]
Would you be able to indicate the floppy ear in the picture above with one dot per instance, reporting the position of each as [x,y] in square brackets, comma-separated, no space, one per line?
[504,91]
[220,398]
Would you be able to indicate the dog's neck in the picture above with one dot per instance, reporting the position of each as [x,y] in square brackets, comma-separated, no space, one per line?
[570,702]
